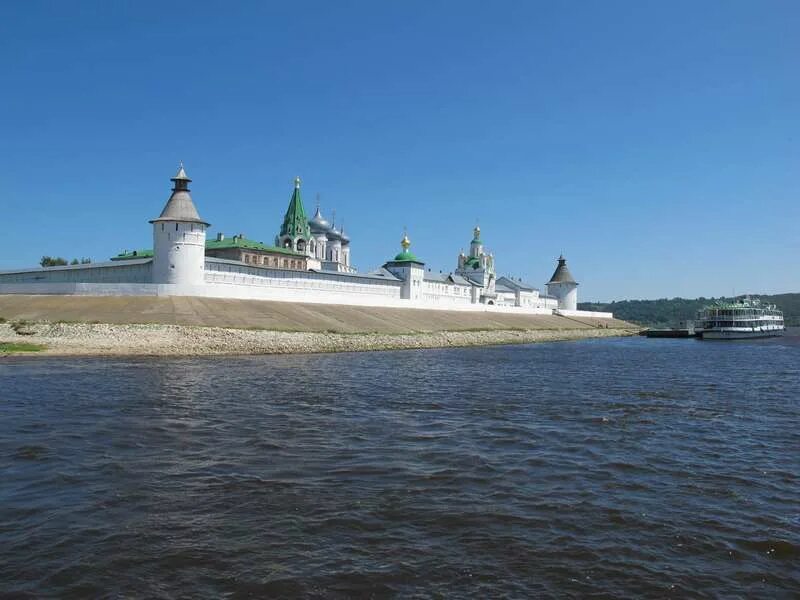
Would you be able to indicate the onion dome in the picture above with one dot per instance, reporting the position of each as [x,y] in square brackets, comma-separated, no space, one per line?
[406,255]
[562,274]
[333,233]
[345,237]
[180,206]
[476,234]
[318,223]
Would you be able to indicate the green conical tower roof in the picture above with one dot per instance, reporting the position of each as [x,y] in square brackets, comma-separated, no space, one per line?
[295,223]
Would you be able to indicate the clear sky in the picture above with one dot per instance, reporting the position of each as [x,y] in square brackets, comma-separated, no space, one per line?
[655,144]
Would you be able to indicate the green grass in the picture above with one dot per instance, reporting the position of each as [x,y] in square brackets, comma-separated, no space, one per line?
[10,347]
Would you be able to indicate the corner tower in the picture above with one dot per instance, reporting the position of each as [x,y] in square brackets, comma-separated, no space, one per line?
[563,286]
[179,238]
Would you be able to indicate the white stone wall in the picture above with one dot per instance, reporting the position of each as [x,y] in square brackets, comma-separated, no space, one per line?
[435,292]
[302,286]
[525,299]
[133,271]
[506,299]
[533,299]
[229,279]
[584,313]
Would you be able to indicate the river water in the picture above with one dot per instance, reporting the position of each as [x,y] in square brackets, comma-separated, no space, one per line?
[602,468]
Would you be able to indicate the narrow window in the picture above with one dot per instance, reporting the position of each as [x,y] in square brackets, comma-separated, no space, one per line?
[176,227]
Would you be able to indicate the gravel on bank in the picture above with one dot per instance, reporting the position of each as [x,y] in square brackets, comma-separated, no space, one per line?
[87,339]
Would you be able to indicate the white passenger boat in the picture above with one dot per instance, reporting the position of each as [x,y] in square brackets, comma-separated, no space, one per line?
[744,318]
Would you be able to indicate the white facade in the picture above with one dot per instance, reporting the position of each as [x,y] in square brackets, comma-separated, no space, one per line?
[179,267]
[478,267]
[409,270]
[565,293]
[179,252]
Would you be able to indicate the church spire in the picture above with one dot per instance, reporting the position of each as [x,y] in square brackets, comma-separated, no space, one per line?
[295,222]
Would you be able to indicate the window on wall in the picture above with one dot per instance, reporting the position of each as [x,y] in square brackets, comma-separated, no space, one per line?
[176,227]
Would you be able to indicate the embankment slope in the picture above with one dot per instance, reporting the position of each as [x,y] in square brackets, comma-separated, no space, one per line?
[194,326]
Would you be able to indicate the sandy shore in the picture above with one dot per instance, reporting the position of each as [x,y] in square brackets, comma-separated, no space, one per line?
[65,339]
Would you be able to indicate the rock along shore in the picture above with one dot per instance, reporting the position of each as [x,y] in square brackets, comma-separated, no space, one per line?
[91,339]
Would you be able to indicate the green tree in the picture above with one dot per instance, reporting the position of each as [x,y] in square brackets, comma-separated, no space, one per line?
[52,261]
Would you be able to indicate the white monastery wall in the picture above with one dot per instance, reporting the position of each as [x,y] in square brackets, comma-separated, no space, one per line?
[584,313]
[132,271]
[301,286]
[246,291]
[229,279]
[436,292]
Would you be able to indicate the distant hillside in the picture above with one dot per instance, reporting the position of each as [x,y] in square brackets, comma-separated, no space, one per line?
[668,313]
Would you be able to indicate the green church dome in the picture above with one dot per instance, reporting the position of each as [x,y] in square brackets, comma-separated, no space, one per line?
[406,255]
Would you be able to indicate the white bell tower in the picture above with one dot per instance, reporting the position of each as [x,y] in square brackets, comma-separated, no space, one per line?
[179,238]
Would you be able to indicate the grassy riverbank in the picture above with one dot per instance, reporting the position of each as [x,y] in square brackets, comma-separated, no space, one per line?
[19,347]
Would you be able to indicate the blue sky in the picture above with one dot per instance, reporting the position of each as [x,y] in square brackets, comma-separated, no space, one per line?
[657,144]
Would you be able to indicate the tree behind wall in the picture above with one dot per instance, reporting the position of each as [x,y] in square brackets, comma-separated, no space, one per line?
[52,261]
[57,261]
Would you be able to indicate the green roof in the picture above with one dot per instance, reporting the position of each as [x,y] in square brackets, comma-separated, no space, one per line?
[295,222]
[473,262]
[133,254]
[240,242]
[231,242]
[406,256]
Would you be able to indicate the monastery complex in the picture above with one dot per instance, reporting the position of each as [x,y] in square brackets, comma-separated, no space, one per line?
[310,262]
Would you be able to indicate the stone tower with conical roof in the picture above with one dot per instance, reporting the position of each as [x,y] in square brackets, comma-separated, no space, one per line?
[563,286]
[179,238]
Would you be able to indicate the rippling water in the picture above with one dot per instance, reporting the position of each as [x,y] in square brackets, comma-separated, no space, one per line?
[613,468]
